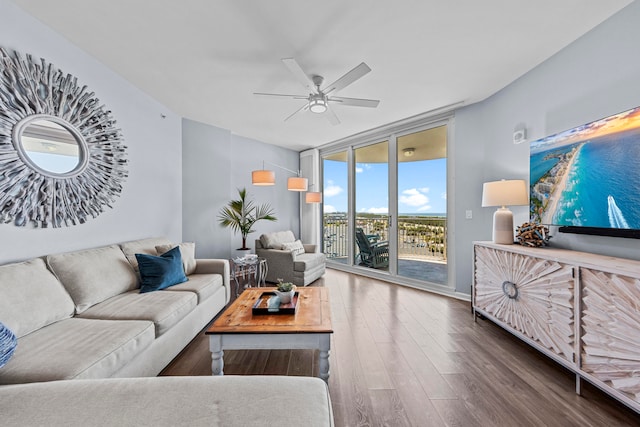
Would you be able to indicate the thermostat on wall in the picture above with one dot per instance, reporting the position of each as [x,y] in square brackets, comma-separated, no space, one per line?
[519,135]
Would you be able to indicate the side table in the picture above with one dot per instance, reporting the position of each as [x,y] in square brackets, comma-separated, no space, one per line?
[244,270]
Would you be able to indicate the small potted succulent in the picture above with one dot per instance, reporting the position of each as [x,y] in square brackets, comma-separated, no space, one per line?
[285,291]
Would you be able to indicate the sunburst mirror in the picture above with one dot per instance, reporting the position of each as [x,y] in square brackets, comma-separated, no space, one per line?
[62,160]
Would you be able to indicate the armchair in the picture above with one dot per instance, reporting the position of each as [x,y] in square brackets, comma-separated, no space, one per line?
[375,255]
[290,260]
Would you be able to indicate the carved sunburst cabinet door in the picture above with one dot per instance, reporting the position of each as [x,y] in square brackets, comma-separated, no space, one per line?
[610,325]
[534,296]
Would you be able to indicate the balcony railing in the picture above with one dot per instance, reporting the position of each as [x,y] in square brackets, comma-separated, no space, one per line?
[419,237]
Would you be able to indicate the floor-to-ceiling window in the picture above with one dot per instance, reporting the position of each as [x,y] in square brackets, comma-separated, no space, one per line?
[335,207]
[385,205]
[422,205]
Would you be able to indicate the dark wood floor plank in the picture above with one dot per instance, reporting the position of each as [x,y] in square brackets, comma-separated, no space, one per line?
[420,411]
[400,356]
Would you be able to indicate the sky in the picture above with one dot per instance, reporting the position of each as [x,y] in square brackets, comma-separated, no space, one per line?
[421,187]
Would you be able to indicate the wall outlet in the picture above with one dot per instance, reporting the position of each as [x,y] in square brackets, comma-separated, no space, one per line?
[468,214]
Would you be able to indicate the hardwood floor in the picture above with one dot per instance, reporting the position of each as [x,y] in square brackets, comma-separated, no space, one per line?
[404,357]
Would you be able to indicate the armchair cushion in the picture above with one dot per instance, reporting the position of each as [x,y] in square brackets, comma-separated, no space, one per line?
[276,239]
[306,262]
[295,247]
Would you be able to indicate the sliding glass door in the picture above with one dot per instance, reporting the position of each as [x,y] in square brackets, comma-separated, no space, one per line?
[335,171]
[422,205]
[385,206]
[371,231]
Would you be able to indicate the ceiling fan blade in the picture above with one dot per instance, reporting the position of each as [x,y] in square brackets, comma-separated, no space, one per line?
[304,107]
[331,116]
[347,79]
[299,74]
[356,102]
[282,95]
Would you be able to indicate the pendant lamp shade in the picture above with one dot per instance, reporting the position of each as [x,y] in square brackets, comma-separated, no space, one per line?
[263,177]
[296,183]
[313,197]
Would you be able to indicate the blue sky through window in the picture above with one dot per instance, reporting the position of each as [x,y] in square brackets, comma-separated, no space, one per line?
[421,187]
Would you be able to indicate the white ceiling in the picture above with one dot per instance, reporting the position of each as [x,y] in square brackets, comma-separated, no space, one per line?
[203,59]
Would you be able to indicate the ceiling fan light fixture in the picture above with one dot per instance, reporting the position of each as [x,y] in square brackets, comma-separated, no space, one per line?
[317,106]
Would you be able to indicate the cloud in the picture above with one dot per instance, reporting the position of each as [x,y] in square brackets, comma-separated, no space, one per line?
[413,197]
[332,190]
[359,170]
[424,208]
[423,189]
[376,210]
[330,209]
[444,195]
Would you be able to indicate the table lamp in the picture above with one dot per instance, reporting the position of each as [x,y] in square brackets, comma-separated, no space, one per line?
[504,193]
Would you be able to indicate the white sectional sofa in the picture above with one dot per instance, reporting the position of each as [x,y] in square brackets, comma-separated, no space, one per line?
[86,336]
[81,314]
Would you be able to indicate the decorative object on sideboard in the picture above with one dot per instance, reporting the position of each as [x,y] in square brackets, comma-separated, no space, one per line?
[61,157]
[502,194]
[240,215]
[532,234]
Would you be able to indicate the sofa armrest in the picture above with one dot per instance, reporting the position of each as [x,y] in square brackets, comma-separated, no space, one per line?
[216,266]
[309,248]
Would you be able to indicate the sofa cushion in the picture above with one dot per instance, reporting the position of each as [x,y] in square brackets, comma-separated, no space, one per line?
[142,246]
[230,401]
[276,239]
[31,297]
[203,285]
[93,275]
[164,309]
[76,348]
[159,272]
[187,252]
[308,261]
[295,247]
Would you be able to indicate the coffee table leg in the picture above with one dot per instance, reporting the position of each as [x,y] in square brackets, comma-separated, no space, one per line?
[325,344]
[217,362]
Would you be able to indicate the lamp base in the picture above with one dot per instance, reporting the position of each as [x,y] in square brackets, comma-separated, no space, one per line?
[503,226]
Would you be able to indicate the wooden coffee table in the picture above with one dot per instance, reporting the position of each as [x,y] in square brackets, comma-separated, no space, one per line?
[238,329]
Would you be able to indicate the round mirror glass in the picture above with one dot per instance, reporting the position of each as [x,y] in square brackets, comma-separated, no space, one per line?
[50,146]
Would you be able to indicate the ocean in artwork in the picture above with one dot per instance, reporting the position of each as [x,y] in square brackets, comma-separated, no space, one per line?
[603,185]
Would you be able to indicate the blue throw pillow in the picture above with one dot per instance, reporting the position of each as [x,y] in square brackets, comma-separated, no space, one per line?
[159,272]
[8,343]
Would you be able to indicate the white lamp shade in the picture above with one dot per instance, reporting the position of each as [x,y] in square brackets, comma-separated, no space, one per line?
[511,192]
[296,183]
[263,177]
[313,197]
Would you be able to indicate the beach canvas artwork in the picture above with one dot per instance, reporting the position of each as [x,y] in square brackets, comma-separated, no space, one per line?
[589,176]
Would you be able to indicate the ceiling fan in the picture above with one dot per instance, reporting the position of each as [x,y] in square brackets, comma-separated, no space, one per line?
[318,99]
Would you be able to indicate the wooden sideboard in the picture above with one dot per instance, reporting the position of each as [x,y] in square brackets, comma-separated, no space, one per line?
[580,309]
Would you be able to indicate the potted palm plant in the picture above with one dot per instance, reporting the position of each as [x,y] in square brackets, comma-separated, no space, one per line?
[240,215]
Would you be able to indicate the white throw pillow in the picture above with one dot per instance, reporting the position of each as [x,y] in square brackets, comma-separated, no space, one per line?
[187,252]
[295,247]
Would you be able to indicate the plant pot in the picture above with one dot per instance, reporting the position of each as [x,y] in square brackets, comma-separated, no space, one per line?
[285,297]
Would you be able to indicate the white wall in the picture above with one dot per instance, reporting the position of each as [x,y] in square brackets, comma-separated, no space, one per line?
[216,163]
[594,77]
[150,204]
